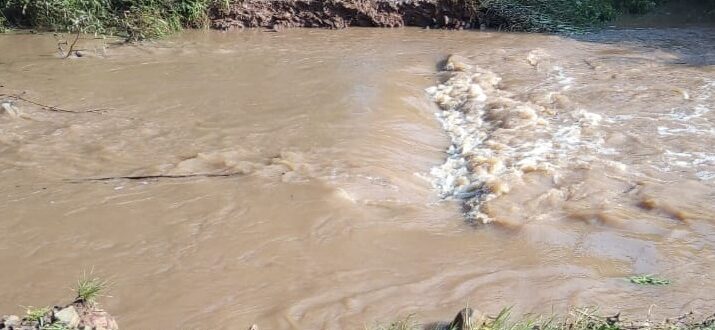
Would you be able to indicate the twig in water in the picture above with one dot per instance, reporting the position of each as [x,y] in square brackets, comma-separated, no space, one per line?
[160,176]
[76,37]
[52,108]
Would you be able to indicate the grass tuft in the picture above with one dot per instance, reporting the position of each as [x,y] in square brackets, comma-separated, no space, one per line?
[36,313]
[89,288]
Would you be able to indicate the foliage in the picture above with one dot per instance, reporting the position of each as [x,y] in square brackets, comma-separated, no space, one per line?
[69,15]
[145,19]
[149,19]
[552,15]
[36,313]
[89,288]
[55,326]
[560,15]
[648,280]
[134,19]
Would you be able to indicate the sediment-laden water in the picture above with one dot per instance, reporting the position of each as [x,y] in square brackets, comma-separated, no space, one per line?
[328,179]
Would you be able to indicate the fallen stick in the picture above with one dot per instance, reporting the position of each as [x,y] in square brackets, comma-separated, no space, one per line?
[69,52]
[53,108]
[160,176]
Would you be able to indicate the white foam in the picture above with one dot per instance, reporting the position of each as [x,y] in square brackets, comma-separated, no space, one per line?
[496,138]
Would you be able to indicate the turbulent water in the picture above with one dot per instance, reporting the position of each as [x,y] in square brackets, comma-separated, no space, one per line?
[330,179]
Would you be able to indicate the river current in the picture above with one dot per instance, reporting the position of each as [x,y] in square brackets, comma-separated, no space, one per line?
[331,179]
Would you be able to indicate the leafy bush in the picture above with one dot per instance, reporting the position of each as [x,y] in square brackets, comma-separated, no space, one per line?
[551,15]
[148,19]
[89,16]
[135,19]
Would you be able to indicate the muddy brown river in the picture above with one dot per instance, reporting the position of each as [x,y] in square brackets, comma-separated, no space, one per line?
[314,179]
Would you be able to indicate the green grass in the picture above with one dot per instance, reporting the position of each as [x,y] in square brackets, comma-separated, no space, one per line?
[89,288]
[648,280]
[559,15]
[55,326]
[548,16]
[132,19]
[36,313]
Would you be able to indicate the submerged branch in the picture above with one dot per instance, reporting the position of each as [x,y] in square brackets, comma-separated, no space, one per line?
[160,176]
[69,52]
[53,108]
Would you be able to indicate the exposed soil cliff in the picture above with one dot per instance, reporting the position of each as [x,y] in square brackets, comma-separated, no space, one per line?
[336,14]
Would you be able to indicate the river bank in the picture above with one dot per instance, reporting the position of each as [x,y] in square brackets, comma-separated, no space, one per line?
[341,14]
[576,319]
[83,313]
[144,19]
[73,316]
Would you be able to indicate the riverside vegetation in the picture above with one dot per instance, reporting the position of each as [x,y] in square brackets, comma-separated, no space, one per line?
[82,313]
[146,19]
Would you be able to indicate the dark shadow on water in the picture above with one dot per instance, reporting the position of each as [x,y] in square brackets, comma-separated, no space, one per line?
[693,46]
[685,28]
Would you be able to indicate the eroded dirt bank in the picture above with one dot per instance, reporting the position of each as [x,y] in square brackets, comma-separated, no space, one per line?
[341,14]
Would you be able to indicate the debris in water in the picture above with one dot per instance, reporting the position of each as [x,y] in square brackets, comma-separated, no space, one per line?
[10,110]
[648,280]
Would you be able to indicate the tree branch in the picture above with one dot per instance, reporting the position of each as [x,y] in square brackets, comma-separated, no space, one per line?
[159,176]
[53,108]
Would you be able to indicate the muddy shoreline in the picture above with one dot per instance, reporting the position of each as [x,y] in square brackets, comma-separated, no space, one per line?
[342,14]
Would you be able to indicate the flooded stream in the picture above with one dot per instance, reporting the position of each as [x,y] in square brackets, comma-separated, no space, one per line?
[329,179]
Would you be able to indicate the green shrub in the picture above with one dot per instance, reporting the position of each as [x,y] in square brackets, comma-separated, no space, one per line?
[135,19]
[88,16]
[193,13]
[551,15]
[149,19]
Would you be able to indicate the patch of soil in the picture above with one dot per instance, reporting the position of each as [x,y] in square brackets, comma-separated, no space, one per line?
[337,14]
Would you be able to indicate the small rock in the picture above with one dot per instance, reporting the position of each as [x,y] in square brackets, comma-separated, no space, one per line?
[68,316]
[12,321]
[10,110]
[79,53]
[457,63]
[463,320]
[99,320]
[253,327]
